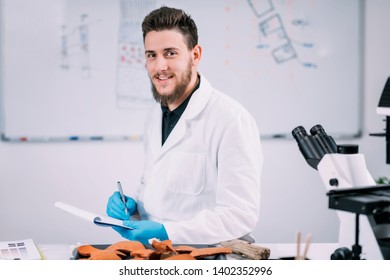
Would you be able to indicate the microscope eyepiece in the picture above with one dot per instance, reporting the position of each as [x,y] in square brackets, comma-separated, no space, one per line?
[308,145]
[314,146]
[317,130]
[327,143]
[299,132]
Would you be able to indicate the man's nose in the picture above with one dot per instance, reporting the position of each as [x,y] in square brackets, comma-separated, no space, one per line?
[161,63]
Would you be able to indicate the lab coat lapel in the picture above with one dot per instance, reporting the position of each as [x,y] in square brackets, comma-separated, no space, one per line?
[154,133]
[196,104]
[175,136]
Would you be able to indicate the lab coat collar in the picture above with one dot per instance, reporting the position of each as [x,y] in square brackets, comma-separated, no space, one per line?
[198,100]
[197,103]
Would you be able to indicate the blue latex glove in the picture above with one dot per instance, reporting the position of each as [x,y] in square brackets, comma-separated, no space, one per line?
[143,231]
[116,207]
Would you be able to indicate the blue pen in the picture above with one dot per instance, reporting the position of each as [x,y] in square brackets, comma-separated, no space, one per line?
[122,196]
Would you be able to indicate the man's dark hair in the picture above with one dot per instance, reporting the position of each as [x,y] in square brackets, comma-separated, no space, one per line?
[166,18]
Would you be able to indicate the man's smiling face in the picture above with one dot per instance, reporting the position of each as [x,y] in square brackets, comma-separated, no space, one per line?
[170,66]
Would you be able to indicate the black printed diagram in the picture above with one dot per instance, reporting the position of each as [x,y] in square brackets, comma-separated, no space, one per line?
[274,37]
[75,46]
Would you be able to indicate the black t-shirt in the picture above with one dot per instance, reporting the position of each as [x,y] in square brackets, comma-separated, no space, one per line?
[170,118]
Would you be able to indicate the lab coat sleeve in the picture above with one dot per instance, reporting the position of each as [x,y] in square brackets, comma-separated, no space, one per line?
[236,211]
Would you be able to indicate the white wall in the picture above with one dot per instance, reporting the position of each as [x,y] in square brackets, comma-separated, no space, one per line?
[34,175]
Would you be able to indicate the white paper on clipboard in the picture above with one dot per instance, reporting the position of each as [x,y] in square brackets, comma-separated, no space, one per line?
[97,219]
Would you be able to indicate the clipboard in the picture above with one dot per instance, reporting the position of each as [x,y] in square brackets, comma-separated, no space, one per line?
[97,219]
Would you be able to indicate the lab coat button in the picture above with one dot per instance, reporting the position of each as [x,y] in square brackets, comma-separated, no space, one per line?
[333,182]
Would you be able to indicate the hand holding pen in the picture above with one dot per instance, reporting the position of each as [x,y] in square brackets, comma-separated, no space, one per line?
[116,202]
[122,196]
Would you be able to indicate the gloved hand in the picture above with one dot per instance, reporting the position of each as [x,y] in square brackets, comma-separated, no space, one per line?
[142,231]
[116,207]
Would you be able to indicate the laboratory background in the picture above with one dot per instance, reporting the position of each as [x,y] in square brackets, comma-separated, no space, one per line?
[53,94]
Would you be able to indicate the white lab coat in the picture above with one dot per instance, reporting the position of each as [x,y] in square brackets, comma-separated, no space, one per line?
[203,184]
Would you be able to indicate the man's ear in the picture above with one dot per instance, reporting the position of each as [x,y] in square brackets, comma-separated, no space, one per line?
[196,54]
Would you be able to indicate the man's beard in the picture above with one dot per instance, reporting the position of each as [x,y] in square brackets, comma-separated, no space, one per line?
[177,92]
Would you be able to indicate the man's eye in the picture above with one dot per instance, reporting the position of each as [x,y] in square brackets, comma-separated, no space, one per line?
[170,53]
[150,55]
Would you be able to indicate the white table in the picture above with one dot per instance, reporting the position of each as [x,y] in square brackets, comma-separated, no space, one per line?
[317,251]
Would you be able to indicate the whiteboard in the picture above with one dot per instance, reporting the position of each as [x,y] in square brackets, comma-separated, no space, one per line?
[74,69]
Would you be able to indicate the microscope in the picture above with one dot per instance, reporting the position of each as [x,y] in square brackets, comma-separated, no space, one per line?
[384,109]
[362,206]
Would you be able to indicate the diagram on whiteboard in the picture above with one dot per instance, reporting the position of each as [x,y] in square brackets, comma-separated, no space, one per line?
[75,46]
[285,61]
[273,35]
[133,85]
